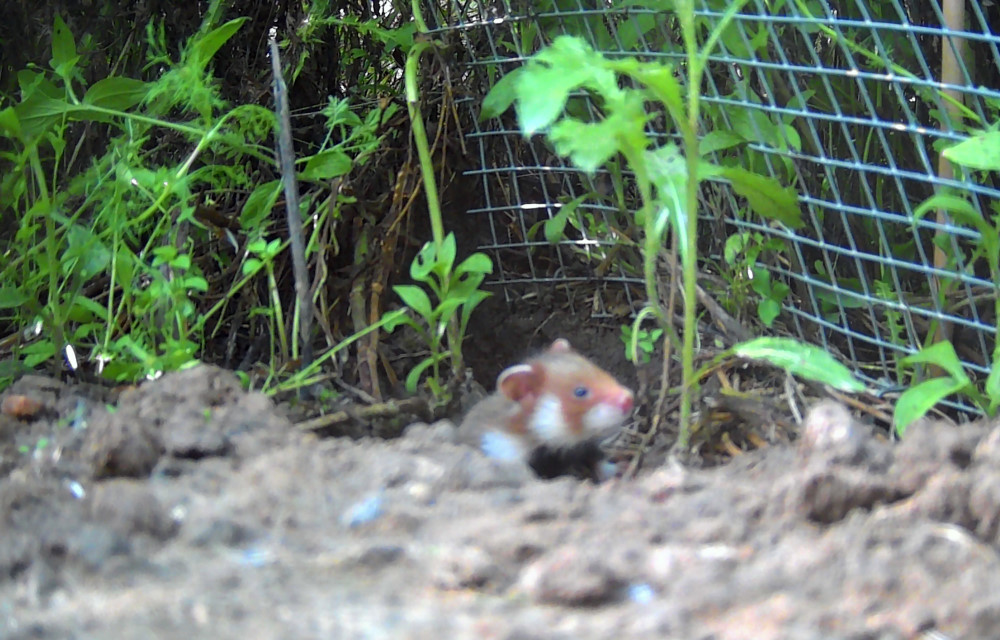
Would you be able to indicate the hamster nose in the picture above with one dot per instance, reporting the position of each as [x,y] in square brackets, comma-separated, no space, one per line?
[625,401]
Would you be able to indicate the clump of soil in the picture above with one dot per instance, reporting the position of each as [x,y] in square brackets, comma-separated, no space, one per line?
[194,509]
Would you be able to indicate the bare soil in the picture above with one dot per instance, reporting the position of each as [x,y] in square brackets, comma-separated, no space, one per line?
[188,508]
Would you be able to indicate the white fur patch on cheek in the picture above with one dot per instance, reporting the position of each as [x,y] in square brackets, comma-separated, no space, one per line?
[548,421]
[602,417]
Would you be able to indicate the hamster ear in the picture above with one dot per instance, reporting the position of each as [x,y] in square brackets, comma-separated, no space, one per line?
[518,382]
[560,346]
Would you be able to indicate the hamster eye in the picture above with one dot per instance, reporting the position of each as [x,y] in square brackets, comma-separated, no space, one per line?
[581,392]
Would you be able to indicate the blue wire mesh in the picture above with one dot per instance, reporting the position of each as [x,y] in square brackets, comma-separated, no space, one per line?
[843,100]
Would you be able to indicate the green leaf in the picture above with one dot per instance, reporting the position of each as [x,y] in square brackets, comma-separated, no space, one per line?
[415,298]
[915,402]
[981,151]
[10,125]
[754,125]
[668,173]
[413,378]
[259,204]
[471,303]
[251,266]
[326,164]
[545,83]
[801,359]
[445,311]
[718,140]
[962,211]
[64,57]
[660,79]
[423,263]
[587,145]
[463,284]
[501,96]
[120,94]
[208,45]
[993,385]
[768,310]
[556,225]
[38,352]
[11,297]
[395,319]
[38,112]
[85,254]
[88,308]
[765,195]
[941,354]
[446,259]
[476,263]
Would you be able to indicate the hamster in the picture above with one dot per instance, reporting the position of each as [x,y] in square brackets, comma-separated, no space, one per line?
[550,412]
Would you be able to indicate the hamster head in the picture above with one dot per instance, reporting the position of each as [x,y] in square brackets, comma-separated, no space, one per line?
[564,398]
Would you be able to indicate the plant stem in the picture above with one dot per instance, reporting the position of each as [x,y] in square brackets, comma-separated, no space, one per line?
[689,258]
[420,138]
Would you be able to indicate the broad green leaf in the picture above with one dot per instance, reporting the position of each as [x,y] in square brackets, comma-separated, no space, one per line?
[915,402]
[463,284]
[993,385]
[259,204]
[501,96]
[445,311]
[449,251]
[981,151]
[413,378]
[545,83]
[588,146]
[668,173]
[476,263]
[38,352]
[39,112]
[116,93]
[64,57]
[82,310]
[10,125]
[556,225]
[395,319]
[11,297]
[718,140]
[415,298]
[941,354]
[660,79]
[755,125]
[423,263]
[208,45]
[962,211]
[326,164]
[768,310]
[85,254]
[801,359]
[766,196]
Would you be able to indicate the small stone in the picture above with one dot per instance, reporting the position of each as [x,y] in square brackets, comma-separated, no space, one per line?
[464,568]
[568,576]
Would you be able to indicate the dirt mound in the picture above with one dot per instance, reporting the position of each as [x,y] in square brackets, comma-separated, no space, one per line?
[193,509]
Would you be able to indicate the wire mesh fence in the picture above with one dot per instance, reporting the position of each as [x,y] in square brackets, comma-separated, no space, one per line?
[849,102]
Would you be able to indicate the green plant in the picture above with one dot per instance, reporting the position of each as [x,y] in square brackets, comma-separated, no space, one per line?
[640,343]
[667,178]
[741,253]
[116,219]
[442,321]
[456,294]
[917,400]
[980,152]
[110,253]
